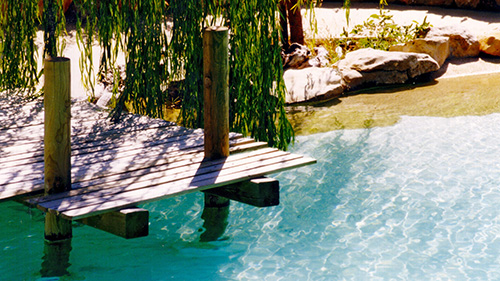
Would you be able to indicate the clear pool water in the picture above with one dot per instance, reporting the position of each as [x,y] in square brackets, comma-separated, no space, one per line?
[419,200]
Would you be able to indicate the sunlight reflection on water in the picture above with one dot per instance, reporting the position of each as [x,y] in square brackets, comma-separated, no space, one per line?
[414,201]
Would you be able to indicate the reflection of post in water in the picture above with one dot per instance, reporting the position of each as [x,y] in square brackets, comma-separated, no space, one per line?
[57,162]
[56,258]
[216,119]
[215,213]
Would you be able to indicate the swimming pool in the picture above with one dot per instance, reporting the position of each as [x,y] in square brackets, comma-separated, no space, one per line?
[418,200]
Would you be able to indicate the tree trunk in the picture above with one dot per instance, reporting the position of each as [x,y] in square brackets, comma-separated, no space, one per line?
[291,16]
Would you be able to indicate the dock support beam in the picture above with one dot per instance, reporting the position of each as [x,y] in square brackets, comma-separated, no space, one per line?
[216,119]
[128,223]
[258,192]
[57,140]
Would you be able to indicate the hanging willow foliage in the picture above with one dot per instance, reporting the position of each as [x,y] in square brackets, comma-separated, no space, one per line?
[257,88]
[162,43]
[18,52]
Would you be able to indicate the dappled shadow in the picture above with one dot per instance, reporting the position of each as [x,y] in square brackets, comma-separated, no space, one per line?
[21,133]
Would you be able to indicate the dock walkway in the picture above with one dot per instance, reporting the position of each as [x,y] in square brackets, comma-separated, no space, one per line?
[115,166]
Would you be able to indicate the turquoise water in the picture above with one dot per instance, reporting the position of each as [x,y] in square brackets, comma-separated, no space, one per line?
[419,200]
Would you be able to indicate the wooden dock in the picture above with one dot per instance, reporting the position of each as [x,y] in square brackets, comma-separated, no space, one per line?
[115,166]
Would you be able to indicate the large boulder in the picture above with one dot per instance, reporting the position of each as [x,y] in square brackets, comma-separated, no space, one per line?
[462,42]
[436,47]
[490,43]
[313,83]
[369,66]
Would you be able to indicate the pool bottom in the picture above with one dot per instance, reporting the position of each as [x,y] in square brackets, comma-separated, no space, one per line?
[413,201]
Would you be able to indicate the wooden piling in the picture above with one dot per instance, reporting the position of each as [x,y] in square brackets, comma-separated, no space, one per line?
[57,143]
[216,119]
[216,91]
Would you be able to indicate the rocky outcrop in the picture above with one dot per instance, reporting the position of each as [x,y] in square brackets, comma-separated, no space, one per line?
[369,66]
[375,67]
[490,43]
[462,42]
[436,47]
[361,67]
[312,83]
[321,57]
[298,56]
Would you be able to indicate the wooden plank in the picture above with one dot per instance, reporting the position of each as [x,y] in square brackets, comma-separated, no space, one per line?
[175,171]
[84,130]
[24,187]
[259,192]
[178,188]
[127,223]
[108,155]
[28,116]
[172,135]
[107,161]
[81,205]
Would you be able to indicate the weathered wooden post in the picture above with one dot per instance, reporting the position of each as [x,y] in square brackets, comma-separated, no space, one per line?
[216,118]
[216,91]
[57,142]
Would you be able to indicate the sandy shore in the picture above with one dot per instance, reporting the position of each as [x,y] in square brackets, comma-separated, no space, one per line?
[461,87]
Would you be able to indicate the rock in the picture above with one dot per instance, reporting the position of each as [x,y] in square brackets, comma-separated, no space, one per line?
[436,47]
[321,58]
[490,44]
[102,96]
[296,56]
[462,42]
[467,3]
[104,99]
[369,66]
[312,83]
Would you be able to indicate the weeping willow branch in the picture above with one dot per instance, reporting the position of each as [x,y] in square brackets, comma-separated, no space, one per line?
[18,51]
[156,57]
[257,88]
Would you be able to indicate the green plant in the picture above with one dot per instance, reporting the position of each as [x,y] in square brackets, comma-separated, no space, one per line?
[380,31]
